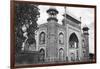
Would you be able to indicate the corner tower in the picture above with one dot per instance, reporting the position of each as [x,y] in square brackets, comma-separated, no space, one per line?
[86,43]
[51,48]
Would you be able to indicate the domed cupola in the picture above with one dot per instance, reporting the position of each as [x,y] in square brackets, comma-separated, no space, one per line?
[52,12]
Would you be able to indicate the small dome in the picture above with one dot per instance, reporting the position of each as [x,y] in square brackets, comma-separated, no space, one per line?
[52,14]
[52,11]
[85,28]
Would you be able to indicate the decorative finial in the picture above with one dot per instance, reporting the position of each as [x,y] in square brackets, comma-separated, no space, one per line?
[80,19]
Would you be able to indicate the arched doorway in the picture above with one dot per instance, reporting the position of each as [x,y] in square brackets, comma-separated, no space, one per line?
[73,47]
[61,54]
[42,55]
[73,41]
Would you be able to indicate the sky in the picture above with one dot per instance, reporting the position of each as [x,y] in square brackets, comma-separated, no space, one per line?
[86,14]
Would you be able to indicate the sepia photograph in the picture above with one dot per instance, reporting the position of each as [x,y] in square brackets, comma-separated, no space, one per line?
[53,34]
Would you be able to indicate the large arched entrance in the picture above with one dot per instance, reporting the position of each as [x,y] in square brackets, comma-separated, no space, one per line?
[73,41]
[42,55]
[73,47]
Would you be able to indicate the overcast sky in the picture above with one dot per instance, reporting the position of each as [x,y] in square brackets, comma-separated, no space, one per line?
[86,14]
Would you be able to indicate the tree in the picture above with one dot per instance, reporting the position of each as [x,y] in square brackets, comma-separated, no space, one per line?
[25,15]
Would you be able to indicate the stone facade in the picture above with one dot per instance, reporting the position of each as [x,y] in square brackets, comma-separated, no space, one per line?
[59,43]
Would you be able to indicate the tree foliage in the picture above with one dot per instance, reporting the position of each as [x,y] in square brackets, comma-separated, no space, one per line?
[25,14]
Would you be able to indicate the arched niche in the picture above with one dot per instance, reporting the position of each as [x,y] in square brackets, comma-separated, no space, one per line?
[42,55]
[61,38]
[42,38]
[61,54]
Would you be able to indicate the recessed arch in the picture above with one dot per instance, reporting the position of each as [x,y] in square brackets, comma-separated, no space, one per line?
[73,41]
[42,55]
[42,38]
[61,54]
[61,38]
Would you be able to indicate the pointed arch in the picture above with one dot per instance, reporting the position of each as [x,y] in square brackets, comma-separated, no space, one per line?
[73,41]
[42,55]
[42,38]
[61,54]
[61,38]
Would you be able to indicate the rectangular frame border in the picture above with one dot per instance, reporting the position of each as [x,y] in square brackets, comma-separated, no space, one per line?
[12,35]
